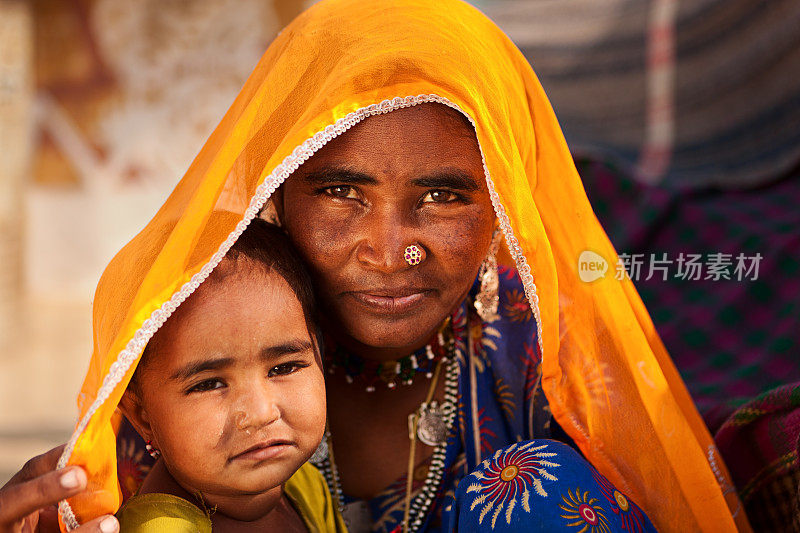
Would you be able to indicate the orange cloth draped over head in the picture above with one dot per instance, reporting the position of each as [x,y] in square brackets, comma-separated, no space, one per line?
[610,383]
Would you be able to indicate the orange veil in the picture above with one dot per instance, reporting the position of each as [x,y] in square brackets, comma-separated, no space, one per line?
[610,383]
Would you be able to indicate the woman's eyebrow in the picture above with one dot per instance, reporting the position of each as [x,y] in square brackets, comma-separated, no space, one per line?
[286,348]
[196,367]
[332,175]
[448,179]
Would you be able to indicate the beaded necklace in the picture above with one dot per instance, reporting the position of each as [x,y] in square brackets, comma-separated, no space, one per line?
[418,507]
[394,372]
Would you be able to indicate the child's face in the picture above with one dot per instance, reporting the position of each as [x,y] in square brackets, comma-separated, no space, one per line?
[233,394]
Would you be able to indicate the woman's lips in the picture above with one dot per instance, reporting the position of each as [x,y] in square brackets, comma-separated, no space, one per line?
[400,301]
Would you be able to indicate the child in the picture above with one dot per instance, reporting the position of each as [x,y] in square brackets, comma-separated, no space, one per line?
[229,393]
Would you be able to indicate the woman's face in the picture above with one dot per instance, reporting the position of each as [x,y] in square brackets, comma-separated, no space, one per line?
[412,176]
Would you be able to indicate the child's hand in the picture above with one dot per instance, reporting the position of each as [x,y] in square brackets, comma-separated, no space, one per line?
[28,500]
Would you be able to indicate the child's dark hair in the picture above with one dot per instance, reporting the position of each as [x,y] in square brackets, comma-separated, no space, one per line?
[268,245]
[269,248]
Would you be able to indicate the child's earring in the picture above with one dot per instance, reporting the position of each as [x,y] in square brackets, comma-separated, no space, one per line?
[488,300]
[154,452]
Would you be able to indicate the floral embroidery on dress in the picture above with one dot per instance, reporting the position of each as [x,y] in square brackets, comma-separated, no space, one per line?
[131,469]
[488,337]
[532,372]
[508,478]
[459,321]
[485,423]
[517,308]
[584,512]
[538,486]
[505,397]
[631,516]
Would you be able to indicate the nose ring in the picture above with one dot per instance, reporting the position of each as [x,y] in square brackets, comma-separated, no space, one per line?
[414,255]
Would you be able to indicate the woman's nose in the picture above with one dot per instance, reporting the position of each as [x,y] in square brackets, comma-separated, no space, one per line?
[256,408]
[385,237]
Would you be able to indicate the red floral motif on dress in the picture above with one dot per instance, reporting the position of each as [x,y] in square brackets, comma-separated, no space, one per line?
[507,479]
[584,512]
[630,515]
[516,306]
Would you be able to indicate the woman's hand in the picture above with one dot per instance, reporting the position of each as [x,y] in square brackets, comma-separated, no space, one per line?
[28,501]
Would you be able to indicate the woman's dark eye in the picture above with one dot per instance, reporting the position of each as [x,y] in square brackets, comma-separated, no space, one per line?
[207,385]
[439,197]
[341,191]
[284,369]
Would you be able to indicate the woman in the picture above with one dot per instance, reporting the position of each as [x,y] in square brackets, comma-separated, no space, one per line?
[396,219]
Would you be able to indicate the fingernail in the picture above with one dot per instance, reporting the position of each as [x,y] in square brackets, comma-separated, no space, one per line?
[70,480]
[109,525]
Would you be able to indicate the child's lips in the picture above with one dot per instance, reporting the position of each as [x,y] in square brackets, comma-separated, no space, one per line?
[263,451]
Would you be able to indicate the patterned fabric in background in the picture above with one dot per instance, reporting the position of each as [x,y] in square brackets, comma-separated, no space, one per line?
[542,485]
[760,443]
[736,97]
[731,340]
[734,342]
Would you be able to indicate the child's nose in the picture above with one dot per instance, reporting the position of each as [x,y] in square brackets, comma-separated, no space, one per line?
[258,407]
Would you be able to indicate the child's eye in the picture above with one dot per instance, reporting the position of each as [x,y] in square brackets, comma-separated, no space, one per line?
[284,369]
[206,385]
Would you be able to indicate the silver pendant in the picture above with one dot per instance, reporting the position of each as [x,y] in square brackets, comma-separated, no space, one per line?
[431,428]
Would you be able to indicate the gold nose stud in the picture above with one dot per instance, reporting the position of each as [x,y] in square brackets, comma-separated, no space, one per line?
[414,255]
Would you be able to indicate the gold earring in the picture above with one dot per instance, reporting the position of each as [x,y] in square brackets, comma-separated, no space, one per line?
[488,299]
